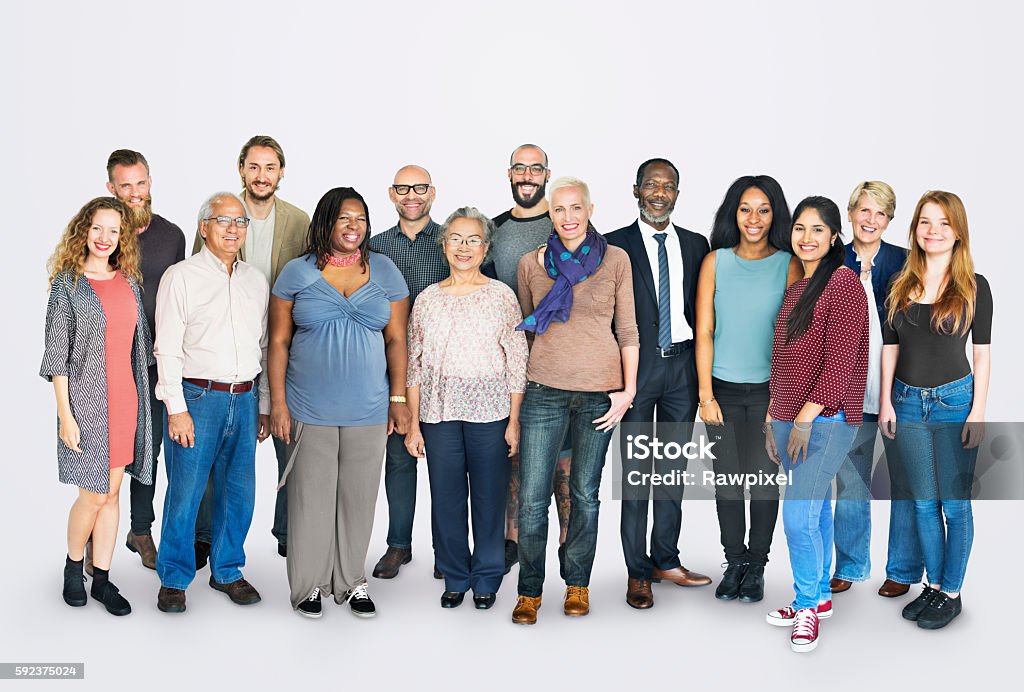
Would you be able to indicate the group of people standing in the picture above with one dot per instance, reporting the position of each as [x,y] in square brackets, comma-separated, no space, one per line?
[506,352]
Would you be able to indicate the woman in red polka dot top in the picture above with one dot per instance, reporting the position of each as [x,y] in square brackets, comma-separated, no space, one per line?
[818,376]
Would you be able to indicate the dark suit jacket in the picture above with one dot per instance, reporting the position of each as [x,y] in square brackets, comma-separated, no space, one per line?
[645,295]
[887,263]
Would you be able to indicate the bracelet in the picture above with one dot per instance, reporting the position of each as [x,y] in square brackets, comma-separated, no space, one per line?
[767,427]
[395,399]
[705,403]
[796,426]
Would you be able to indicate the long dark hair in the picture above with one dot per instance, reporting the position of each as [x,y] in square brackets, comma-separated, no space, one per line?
[726,234]
[803,311]
[321,226]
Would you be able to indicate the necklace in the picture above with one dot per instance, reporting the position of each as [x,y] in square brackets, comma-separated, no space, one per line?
[346,261]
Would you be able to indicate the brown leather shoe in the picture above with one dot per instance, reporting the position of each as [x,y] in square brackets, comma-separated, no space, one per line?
[391,561]
[144,546]
[577,601]
[171,600]
[892,589]
[639,594]
[681,576]
[525,612]
[239,591]
[839,585]
[88,556]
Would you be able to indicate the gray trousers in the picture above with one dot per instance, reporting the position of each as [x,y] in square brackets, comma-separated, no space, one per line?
[332,480]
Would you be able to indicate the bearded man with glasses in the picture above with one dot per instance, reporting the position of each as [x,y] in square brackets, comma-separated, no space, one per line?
[412,244]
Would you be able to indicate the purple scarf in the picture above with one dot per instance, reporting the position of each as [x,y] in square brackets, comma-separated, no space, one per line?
[567,269]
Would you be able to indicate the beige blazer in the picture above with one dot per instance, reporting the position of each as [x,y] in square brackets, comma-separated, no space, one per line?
[291,227]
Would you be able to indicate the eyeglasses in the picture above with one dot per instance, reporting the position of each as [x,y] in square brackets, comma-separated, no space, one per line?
[225,221]
[472,241]
[419,189]
[520,168]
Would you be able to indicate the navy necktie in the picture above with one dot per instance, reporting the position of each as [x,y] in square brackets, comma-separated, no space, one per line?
[664,294]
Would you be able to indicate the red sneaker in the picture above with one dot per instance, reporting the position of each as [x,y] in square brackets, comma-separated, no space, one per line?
[784,617]
[805,631]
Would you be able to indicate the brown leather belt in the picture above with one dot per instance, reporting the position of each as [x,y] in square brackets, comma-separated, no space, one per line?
[231,387]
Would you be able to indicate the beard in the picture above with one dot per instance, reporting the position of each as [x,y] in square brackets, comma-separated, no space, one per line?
[252,194]
[651,218]
[531,201]
[141,217]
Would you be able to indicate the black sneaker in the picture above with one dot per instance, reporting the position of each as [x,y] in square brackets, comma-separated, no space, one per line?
[511,554]
[311,607]
[752,585]
[74,585]
[729,588]
[359,601]
[939,612]
[913,610]
[110,597]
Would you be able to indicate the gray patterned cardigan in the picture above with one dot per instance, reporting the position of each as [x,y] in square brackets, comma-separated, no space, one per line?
[75,347]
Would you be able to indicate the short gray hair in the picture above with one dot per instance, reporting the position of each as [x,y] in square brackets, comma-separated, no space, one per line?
[568,181]
[486,225]
[207,208]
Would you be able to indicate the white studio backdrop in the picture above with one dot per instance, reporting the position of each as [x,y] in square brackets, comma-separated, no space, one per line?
[923,95]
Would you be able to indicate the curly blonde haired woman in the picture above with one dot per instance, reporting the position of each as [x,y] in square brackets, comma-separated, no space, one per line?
[98,349]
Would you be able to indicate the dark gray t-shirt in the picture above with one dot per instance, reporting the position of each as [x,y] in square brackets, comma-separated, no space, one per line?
[513,239]
[160,245]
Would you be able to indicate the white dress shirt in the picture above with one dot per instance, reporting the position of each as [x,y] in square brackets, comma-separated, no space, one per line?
[210,325]
[681,331]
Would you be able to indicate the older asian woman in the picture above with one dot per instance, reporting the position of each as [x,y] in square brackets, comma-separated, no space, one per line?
[577,293]
[338,319]
[98,352]
[467,374]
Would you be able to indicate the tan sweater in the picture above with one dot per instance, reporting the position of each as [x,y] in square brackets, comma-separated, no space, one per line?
[582,355]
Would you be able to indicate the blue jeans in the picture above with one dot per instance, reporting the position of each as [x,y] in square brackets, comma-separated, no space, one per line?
[547,414]
[853,515]
[807,506]
[400,486]
[468,464]
[225,453]
[940,473]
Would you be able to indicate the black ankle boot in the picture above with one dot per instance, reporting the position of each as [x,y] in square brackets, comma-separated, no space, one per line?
[729,588]
[752,586]
[107,594]
[74,583]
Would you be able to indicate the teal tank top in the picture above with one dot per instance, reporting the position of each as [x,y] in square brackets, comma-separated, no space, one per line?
[748,295]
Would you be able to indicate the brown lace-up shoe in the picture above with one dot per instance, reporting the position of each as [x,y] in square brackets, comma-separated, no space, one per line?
[681,576]
[525,612]
[144,546]
[388,565]
[577,601]
[638,594]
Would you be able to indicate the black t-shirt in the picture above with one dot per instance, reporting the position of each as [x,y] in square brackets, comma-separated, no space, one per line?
[928,359]
[161,245]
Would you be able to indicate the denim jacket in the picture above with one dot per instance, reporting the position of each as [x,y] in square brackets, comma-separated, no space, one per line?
[889,260]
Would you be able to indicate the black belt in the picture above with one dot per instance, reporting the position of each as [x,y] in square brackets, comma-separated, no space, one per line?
[675,349]
[231,387]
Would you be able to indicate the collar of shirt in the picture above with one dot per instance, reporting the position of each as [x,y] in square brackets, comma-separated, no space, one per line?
[429,231]
[870,261]
[211,260]
[649,230]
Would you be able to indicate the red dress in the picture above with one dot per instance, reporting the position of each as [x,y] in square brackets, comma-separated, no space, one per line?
[122,314]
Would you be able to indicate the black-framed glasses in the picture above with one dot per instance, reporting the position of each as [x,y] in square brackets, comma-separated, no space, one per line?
[472,241]
[520,168]
[225,221]
[419,188]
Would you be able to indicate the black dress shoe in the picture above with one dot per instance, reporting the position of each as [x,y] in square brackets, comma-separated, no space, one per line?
[452,599]
[202,554]
[437,573]
[282,549]
[511,554]
[752,585]
[729,588]
[74,585]
[110,597]
[483,601]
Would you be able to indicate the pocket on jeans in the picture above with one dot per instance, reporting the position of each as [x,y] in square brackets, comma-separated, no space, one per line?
[960,400]
[192,392]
